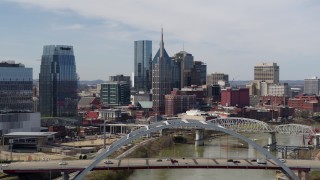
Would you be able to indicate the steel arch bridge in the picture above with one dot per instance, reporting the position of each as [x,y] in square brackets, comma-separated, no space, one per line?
[297,129]
[256,126]
[242,124]
[178,124]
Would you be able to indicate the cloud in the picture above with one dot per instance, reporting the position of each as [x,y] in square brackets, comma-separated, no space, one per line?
[68,27]
[220,32]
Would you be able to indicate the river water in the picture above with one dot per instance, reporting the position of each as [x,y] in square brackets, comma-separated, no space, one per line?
[218,147]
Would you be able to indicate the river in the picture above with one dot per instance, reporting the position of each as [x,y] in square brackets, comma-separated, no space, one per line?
[218,147]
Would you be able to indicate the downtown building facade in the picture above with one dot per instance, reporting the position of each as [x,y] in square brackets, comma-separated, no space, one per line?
[214,78]
[186,72]
[264,74]
[179,102]
[161,78]
[16,105]
[267,72]
[312,86]
[142,65]
[58,82]
[16,85]
[235,97]
[183,63]
[115,93]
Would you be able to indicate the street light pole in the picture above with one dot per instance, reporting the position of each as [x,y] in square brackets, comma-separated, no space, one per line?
[104,134]
[10,142]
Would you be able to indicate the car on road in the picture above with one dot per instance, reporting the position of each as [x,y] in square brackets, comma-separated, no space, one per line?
[159,160]
[173,161]
[4,165]
[236,161]
[230,160]
[108,162]
[282,160]
[261,161]
[63,163]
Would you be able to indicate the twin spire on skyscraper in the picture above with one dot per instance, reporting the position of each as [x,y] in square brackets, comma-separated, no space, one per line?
[161,44]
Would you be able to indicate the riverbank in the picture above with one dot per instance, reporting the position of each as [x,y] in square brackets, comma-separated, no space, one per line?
[144,149]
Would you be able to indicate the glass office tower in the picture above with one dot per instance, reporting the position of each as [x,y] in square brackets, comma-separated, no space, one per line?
[15,87]
[58,82]
[142,65]
[161,78]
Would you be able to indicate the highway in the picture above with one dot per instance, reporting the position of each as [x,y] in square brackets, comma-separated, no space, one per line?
[152,163]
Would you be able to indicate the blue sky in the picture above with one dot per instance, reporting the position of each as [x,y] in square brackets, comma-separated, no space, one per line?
[229,36]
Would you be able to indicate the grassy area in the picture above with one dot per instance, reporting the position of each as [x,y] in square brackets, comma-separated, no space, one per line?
[315,175]
[152,148]
[147,150]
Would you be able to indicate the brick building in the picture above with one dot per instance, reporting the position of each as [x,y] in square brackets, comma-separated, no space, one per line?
[235,97]
[305,103]
[179,102]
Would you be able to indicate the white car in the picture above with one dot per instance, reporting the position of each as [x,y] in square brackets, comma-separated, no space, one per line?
[282,160]
[261,161]
[63,163]
[4,165]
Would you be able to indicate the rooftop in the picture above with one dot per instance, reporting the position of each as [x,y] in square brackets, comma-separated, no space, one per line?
[28,134]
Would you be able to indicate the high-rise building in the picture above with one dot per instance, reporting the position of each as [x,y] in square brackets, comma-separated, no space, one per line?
[268,72]
[185,64]
[115,93]
[15,87]
[120,77]
[214,78]
[179,102]
[312,86]
[142,65]
[16,106]
[58,82]
[161,78]
[199,73]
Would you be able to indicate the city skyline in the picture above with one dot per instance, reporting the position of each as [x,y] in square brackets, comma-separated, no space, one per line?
[224,34]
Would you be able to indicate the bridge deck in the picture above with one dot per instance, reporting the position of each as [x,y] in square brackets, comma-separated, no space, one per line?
[139,163]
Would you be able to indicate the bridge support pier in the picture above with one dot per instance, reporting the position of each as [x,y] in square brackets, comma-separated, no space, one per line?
[199,137]
[160,132]
[304,175]
[65,175]
[272,143]
[284,152]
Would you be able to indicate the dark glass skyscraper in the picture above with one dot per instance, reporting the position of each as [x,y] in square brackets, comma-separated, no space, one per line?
[161,78]
[58,82]
[142,65]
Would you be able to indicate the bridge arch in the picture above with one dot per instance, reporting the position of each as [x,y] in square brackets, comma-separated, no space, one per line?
[177,124]
[240,124]
[297,129]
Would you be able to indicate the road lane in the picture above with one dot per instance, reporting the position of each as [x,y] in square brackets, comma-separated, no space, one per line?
[138,163]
